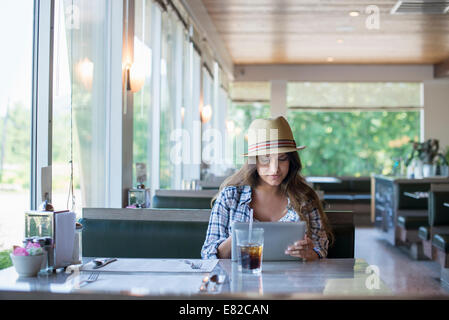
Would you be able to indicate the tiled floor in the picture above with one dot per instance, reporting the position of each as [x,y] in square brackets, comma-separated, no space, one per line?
[403,275]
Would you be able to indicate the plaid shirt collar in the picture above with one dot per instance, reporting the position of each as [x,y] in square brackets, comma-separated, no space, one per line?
[246,194]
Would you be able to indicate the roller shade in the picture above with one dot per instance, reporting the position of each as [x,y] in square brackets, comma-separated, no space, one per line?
[351,95]
[250,91]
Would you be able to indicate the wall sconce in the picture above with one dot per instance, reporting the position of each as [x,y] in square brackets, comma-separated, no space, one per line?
[135,78]
[206,113]
[85,72]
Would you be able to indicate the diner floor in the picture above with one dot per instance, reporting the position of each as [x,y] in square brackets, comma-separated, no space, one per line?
[402,274]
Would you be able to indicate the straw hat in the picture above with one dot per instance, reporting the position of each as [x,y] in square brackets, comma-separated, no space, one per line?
[269,136]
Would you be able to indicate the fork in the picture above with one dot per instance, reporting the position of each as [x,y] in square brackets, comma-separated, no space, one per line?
[92,277]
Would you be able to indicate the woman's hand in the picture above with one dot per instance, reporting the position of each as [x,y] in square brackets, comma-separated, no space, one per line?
[303,249]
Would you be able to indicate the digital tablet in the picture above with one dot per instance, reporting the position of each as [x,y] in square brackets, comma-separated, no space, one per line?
[277,237]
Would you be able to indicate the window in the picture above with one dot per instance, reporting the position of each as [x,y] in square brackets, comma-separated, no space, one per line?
[167,126]
[79,102]
[191,124]
[171,96]
[15,115]
[354,129]
[143,55]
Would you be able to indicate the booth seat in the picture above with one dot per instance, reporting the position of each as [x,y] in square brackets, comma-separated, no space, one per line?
[164,233]
[438,221]
[351,194]
[441,243]
[411,215]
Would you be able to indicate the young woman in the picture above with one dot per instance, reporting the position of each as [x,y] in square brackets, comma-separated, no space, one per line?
[271,186]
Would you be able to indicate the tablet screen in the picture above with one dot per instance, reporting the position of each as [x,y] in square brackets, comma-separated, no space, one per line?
[277,237]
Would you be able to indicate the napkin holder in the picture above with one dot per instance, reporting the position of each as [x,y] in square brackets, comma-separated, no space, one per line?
[44,225]
[139,197]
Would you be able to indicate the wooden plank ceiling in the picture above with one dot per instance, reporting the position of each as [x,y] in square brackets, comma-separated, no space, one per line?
[323,31]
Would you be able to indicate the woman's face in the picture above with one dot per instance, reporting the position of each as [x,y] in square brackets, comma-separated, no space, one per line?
[273,168]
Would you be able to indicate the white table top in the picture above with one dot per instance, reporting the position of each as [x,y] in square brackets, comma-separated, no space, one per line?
[287,279]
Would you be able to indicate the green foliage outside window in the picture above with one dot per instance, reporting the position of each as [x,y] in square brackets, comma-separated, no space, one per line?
[371,137]
[5,260]
[355,143]
[15,146]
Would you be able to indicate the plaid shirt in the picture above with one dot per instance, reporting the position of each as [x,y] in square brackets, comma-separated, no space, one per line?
[232,204]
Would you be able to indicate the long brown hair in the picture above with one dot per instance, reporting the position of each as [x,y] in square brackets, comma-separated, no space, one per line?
[294,186]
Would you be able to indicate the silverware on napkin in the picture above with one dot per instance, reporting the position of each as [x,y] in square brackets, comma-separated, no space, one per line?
[99,263]
[194,265]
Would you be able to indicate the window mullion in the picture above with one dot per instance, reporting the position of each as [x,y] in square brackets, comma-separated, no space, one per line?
[42,87]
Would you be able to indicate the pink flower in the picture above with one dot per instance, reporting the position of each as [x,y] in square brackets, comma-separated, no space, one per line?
[19,251]
[31,245]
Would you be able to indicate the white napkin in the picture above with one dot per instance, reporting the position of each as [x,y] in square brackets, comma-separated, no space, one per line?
[64,238]
[154,265]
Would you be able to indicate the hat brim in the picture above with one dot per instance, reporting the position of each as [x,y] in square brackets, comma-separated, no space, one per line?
[273,151]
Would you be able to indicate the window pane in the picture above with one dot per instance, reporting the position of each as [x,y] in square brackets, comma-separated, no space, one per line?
[354,143]
[191,116]
[207,115]
[15,116]
[62,143]
[80,83]
[142,99]
[171,94]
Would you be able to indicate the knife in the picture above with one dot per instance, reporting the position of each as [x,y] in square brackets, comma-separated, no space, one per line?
[99,263]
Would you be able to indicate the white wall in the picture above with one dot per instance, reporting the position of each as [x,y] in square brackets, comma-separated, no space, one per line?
[333,72]
[436,111]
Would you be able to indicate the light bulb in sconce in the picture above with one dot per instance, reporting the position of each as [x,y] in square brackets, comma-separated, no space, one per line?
[183,111]
[135,77]
[230,126]
[85,72]
[238,130]
[206,113]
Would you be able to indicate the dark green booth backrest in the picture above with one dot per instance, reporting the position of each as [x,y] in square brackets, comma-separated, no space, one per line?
[143,239]
[177,239]
[181,202]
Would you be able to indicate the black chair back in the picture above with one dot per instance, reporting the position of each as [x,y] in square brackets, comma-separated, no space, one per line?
[342,224]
